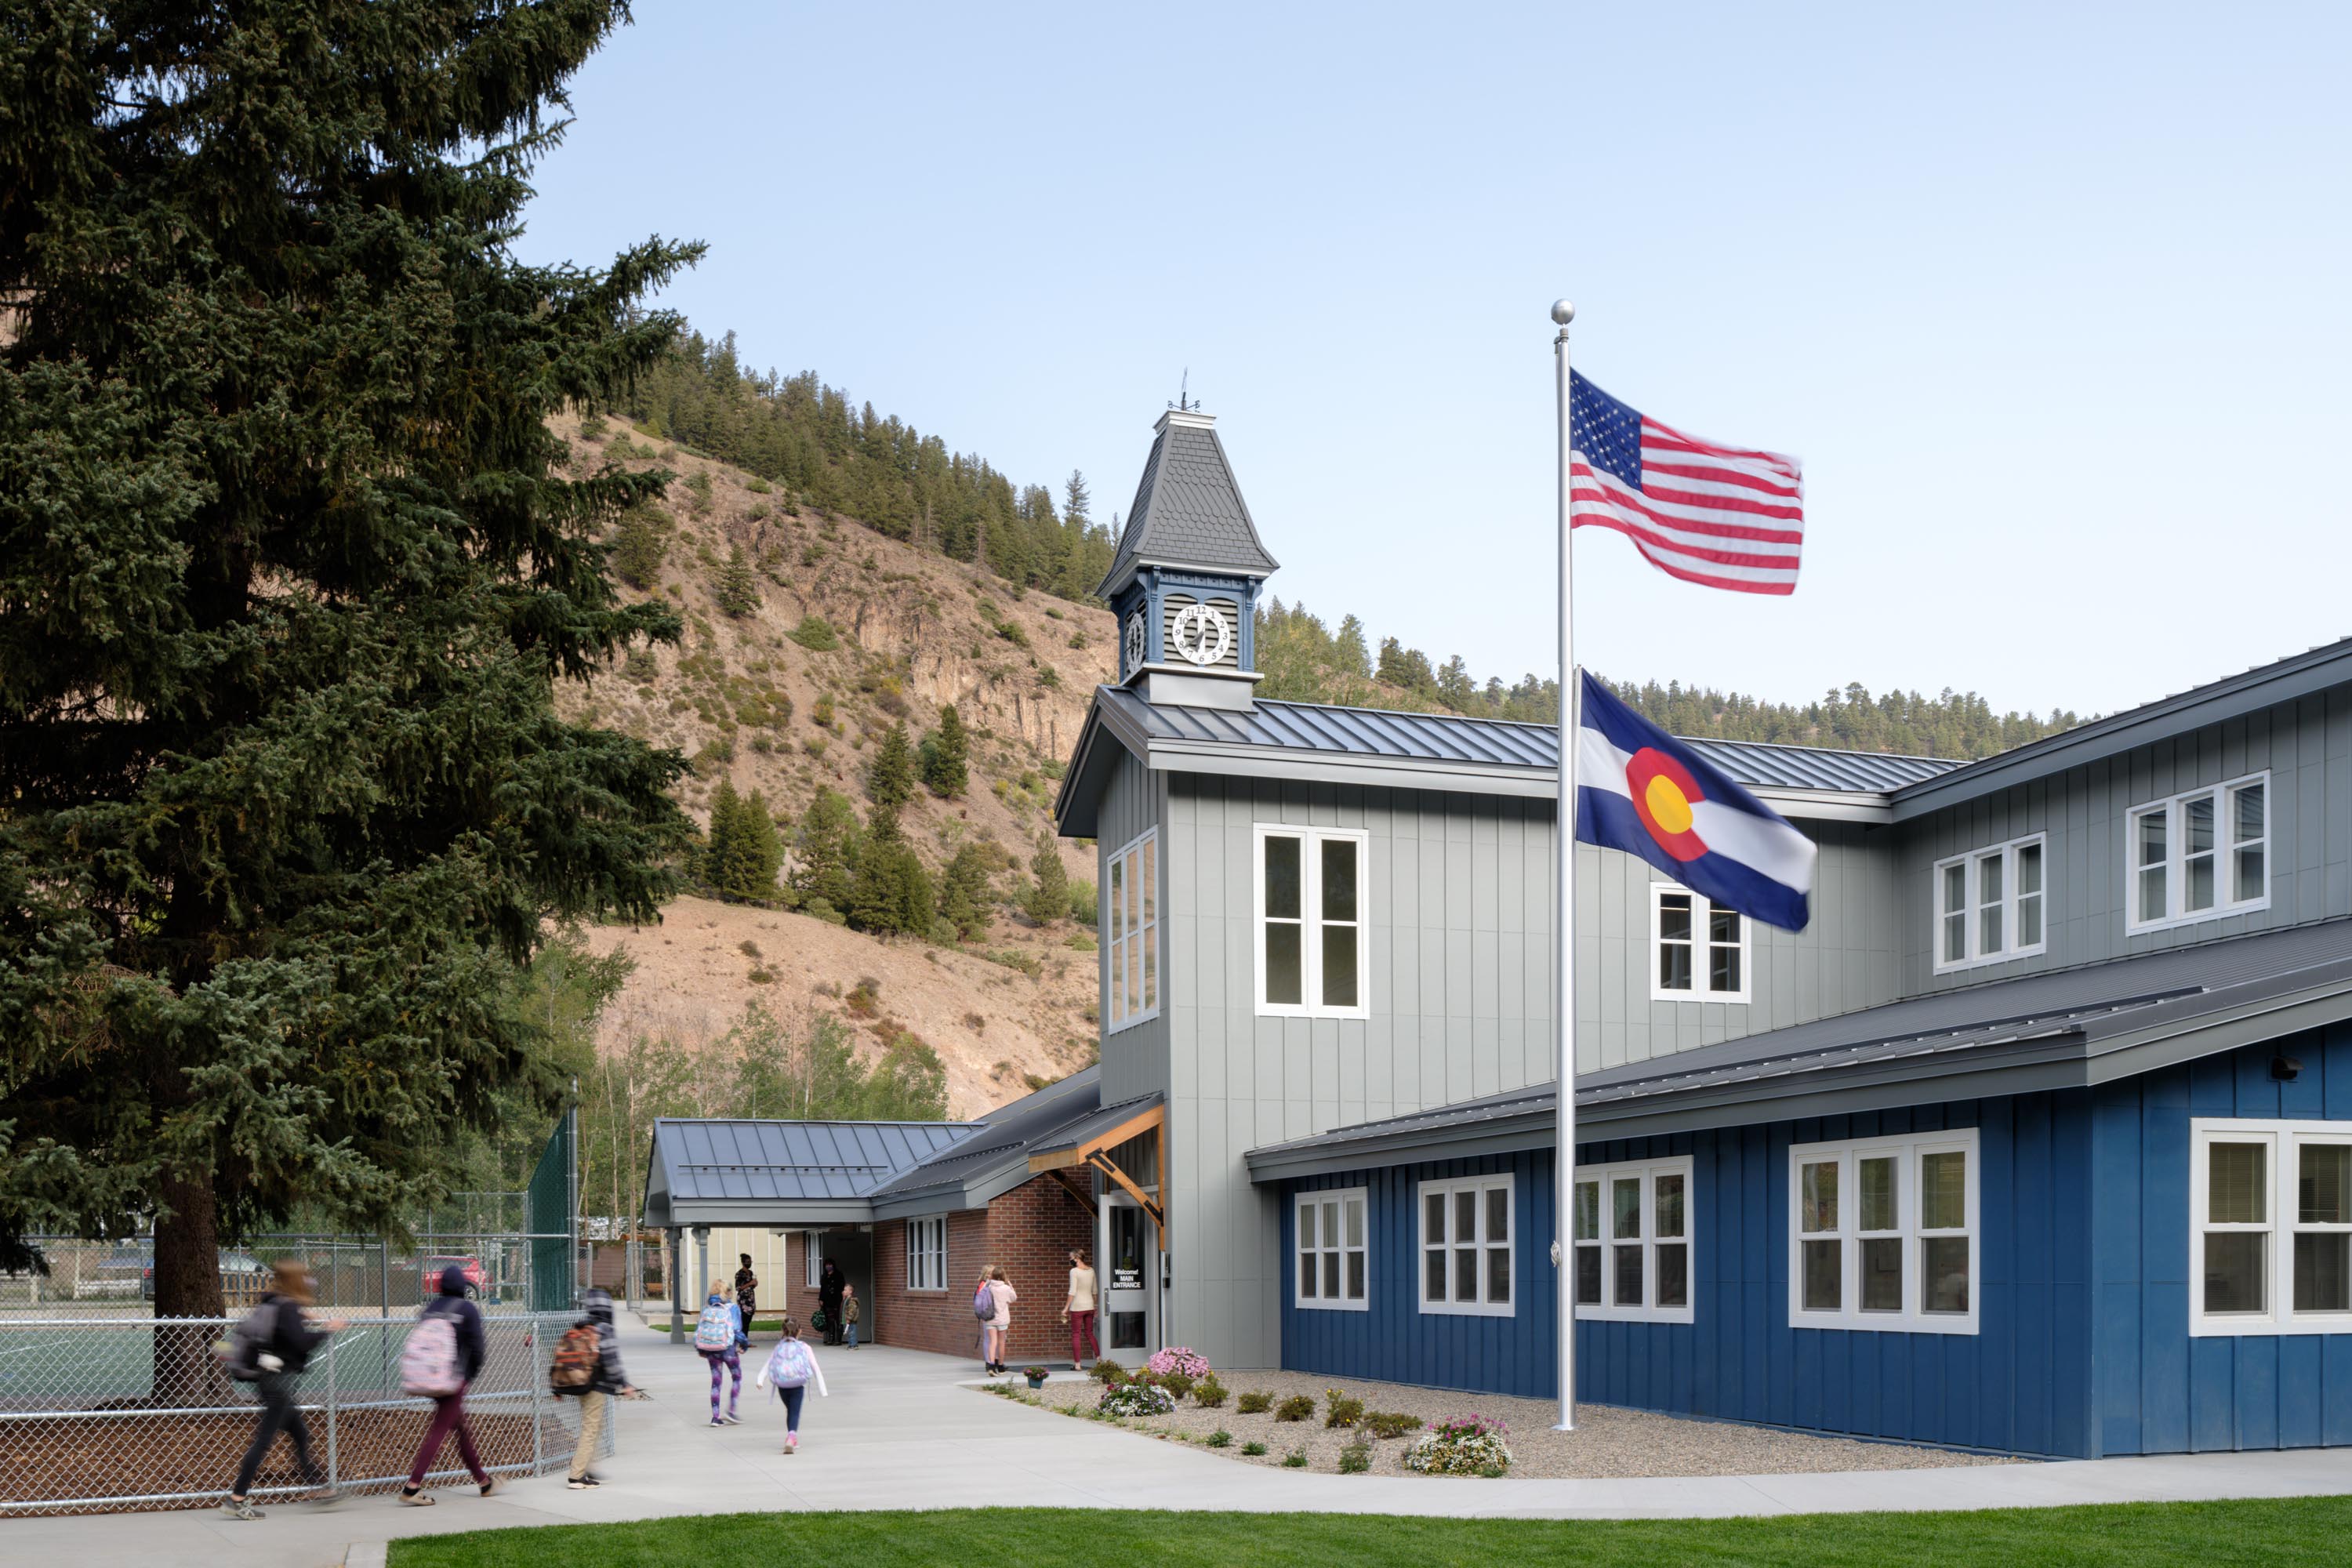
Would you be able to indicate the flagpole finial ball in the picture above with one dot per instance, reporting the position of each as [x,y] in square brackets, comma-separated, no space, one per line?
[1562,311]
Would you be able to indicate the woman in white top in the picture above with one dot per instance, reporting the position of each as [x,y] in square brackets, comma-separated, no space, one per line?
[1078,1310]
[998,1331]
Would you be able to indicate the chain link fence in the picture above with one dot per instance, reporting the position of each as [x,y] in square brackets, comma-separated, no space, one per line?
[110,1414]
[517,1270]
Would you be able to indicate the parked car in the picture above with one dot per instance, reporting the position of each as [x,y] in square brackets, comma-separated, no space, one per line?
[118,1273]
[242,1279]
[477,1278]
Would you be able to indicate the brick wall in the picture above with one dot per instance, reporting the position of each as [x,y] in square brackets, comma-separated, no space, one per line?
[1029,1231]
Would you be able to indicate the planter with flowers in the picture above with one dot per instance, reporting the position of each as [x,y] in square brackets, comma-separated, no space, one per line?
[1035,1374]
[1461,1446]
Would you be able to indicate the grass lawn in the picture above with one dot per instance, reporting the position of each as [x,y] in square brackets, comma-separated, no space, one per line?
[2295,1529]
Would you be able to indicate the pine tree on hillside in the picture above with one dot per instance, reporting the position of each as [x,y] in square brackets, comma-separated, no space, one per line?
[288,568]
[1350,655]
[824,851]
[945,749]
[891,893]
[736,588]
[745,851]
[965,894]
[1049,895]
[640,544]
[890,782]
[1075,499]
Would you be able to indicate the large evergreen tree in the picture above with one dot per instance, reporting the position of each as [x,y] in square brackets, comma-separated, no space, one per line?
[946,755]
[891,780]
[288,570]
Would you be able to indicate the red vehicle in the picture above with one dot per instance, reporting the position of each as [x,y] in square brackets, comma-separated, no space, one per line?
[477,1278]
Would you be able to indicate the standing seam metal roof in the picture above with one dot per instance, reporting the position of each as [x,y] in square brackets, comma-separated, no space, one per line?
[712,1159]
[1450,737]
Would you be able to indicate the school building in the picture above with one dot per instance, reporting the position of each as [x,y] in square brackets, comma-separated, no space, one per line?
[2038,1138]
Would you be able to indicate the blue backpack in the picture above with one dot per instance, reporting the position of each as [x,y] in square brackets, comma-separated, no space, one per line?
[790,1366]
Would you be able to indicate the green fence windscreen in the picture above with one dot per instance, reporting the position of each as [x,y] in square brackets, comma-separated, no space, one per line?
[552,1218]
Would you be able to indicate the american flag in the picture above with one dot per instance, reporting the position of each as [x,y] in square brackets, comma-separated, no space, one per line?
[1723,516]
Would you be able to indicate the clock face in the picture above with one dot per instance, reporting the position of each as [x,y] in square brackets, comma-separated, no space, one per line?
[1135,641]
[1202,633]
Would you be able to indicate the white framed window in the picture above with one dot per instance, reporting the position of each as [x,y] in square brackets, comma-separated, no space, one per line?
[1634,1238]
[812,1258]
[927,1253]
[1467,1245]
[2270,1226]
[1882,1234]
[1309,901]
[1993,904]
[1131,927]
[1333,1263]
[2199,856]
[1698,950]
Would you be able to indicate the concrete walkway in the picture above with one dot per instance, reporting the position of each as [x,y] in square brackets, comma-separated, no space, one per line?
[896,1432]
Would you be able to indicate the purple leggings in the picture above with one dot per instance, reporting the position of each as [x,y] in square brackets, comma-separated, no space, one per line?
[721,1362]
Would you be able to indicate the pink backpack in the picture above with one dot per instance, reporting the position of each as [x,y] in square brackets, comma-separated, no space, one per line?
[790,1366]
[429,1363]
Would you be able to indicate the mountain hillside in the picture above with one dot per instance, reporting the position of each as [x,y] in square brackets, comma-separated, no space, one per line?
[842,633]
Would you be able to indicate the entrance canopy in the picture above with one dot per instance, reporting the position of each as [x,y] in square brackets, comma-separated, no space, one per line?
[782,1172]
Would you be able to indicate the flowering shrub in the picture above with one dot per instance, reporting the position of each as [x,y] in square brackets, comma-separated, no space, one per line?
[1461,1446]
[1136,1399]
[1176,1358]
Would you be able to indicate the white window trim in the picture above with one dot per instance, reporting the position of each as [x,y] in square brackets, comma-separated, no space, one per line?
[2225,856]
[1129,947]
[812,1259]
[1909,1149]
[1973,911]
[1310,923]
[1346,1195]
[1702,922]
[1482,1307]
[1607,1310]
[2285,1139]
[919,1251]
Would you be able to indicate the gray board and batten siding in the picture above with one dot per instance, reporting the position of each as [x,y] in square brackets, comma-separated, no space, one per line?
[2305,743]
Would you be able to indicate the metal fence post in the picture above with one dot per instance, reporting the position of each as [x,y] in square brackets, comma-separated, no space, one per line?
[333,1455]
[538,1434]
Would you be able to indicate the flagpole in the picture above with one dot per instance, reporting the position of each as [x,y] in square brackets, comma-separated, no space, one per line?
[1564,915]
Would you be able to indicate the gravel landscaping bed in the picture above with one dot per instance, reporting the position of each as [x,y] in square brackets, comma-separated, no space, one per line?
[1609,1441]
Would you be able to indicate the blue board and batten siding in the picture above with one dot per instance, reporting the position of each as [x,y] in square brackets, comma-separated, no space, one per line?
[2160,1391]
[2082,1346]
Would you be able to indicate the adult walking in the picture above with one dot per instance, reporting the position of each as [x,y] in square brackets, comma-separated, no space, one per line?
[607,1383]
[270,1349]
[996,1330]
[747,1291]
[471,1344]
[1078,1309]
[790,1368]
[828,1299]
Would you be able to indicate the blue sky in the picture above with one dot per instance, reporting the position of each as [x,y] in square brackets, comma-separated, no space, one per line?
[2051,301]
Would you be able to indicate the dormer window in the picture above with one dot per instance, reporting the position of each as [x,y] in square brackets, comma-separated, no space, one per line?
[1309,918]
[2199,856]
[1991,904]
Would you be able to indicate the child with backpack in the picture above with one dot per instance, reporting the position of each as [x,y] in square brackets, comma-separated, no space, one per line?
[719,1335]
[440,1361]
[790,1368]
[588,1367]
[993,1305]
[270,1349]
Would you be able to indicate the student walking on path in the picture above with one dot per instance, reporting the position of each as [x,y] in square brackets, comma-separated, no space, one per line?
[1078,1310]
[790,1368]
[849,1313]
[829,1286]
[607,1383]
[996,1329]
[719,1335]
[451,1314]
[269,1350]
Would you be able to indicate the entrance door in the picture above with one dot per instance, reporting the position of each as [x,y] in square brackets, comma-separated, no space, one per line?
[1131,1270]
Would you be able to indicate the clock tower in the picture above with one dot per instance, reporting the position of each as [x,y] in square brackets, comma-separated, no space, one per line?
[1185,582]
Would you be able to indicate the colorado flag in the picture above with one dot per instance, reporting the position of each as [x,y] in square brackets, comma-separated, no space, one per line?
[1639,790]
